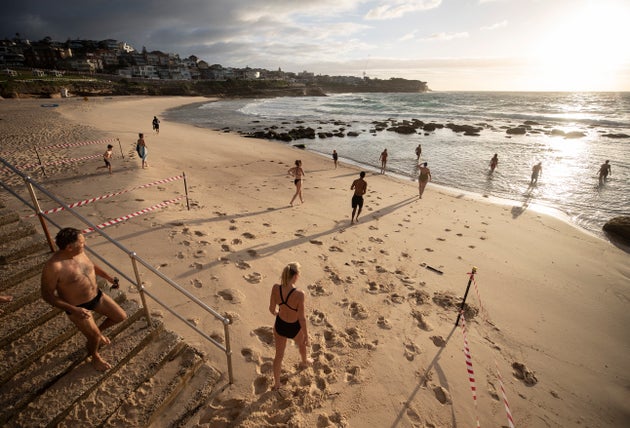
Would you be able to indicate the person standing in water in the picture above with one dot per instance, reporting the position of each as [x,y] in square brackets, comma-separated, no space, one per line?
[383,159]
[604,170]
[418,151]
[536,172]
[335,157]
[494,162]
[287,304]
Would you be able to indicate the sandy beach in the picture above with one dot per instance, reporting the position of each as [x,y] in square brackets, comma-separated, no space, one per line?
[548,309]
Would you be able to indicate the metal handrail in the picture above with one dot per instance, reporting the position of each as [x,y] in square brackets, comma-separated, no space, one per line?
[135,260]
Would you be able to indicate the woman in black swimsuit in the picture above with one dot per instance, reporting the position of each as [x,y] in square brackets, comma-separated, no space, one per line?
[298,173]
[287,304]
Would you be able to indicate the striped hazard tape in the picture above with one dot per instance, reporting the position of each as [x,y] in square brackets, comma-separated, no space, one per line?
[109,195]
[82,143]
[62,161]
[128,216]
[469,368]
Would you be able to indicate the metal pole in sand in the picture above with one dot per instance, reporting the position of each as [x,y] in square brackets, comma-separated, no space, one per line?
[470,280]
[40,162]
[186,190]
[120,145]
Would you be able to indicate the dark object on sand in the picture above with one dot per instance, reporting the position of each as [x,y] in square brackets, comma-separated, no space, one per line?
[619,229]
[434,270]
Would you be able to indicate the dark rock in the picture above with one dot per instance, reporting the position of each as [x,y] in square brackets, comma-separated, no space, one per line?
[619,227]
[403,129]
[429,127]
[300,146]
[353,134]
[616,135]
[519,130]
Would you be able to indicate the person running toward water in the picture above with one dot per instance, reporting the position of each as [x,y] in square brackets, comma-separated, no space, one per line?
[536,172]
[494,162]
[141,148]
[423,178]
[298,174]
[335,157]
[418,151]
[68,282]
[107,156]
[604,170]
[383,160]
[287,304]
[360,187]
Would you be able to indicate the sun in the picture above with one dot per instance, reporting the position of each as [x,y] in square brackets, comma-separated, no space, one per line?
[586,50]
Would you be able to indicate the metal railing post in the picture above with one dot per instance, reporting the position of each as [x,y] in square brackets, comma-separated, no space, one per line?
[140,288]
[228,350]
[40,214]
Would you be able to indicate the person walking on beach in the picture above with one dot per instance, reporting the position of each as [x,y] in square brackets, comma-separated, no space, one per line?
[536,172]
[107,156]
[335,157]
[604,170]
[156,125]
[360,187]
[68,282]
[423,178]
[141,148]
[298,175]
[418,151]
[494,162]
[383,160]
[287,304]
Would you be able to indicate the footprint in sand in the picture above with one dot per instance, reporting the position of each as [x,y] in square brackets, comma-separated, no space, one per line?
[316,242]
[200,253]
[248,235]
[225,248]
[233,227]
[264,334]
[441,394]
[523,373]
[242,265]
[377,240]
[353,375]
[231,295]
[196,283]
[236,241]
[358,311]
[438,341]
[254,278]
[261,385]
[335,249]
[396,298]
[422,323]
[384,323]
[250,355]
[318,318]
[334,420]
[318,289]
[252,253]
[411,350]
[441,239]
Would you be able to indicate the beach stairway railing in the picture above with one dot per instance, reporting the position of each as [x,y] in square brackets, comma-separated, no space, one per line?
[46,378]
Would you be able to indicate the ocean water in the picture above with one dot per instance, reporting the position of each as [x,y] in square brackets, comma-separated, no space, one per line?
[569,183]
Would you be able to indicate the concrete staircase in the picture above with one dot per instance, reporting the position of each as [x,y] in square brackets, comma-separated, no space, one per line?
[156,379]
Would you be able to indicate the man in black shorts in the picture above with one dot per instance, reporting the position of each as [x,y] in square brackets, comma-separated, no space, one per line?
[360,187]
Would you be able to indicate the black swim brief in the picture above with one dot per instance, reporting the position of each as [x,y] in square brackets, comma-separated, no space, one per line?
[357,201]
[92,303]
[287,329]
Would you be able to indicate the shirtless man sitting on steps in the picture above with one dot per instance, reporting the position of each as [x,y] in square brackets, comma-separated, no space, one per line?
[69,283]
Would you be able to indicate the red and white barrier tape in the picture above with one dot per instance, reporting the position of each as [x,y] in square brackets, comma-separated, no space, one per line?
[504,396]
[109,195]
[62,161]
[128,216]
[83,143]
[469,367]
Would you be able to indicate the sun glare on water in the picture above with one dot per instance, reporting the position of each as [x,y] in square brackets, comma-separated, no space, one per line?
[586,50]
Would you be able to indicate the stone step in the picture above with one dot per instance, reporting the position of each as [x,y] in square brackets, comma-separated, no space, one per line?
[16,230]
[24,340]
[22,247]
[54,404]
[160,392]
[24,293]
[48,368]
[189,401]
[116,390]
[8,216]
[19,270]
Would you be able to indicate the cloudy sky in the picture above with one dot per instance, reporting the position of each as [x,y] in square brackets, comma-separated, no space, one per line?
[452,44]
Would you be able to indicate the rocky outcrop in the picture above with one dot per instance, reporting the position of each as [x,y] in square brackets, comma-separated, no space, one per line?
[619,228]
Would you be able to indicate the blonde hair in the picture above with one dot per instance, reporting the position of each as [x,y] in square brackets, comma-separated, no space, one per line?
[289,272]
